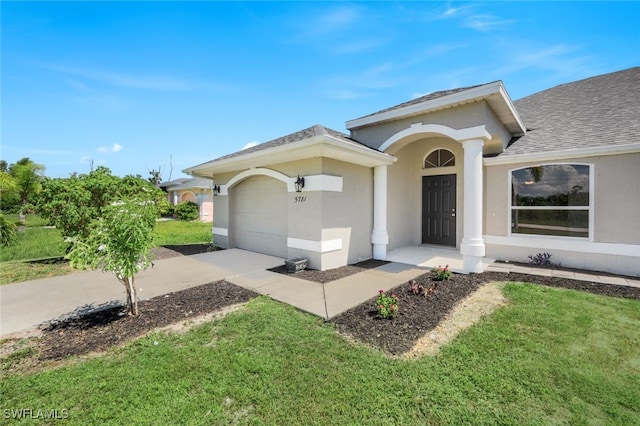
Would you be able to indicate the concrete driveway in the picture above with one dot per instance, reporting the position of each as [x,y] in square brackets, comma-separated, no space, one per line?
[26,305]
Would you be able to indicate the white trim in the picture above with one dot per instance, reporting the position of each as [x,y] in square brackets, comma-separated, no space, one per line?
[257,172]
[317,146]
[477,132]
[315,246]
[562,155]
[311,183]
[579,245]
[220,231]
[463,97]
[322,183]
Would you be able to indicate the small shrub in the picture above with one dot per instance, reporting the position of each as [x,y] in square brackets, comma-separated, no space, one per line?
[387,304]
[441,274]
[187,210]
[420,290]
[540,259]
[165,208]
[7,231]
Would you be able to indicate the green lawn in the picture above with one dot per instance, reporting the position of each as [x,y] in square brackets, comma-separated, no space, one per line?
[30,219]
[35,243]
[38,243]
[174,232]
[551,356]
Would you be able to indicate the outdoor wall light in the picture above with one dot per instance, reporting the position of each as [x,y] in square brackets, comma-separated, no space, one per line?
[216,190]
[299,184]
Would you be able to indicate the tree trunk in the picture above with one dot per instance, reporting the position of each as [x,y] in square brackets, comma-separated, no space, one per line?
[132,299]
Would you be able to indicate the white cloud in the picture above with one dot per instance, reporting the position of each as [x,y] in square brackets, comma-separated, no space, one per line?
[114,148]
[251,144]
[484,22]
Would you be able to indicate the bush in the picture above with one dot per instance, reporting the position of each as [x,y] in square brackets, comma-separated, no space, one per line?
[165,208]
[7,231]
[187,210]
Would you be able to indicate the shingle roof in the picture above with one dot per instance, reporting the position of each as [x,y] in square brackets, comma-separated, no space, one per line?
[308,133]
[595,112]
[199,183]
[425,98]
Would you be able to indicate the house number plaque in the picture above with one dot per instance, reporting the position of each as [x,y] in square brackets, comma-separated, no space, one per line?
[300,199]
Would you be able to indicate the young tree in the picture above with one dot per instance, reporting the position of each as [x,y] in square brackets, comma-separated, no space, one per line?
[154,176]
[28,177]
[118,242]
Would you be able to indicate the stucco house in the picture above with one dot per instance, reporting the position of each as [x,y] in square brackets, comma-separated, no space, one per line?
[197,190]
[469,168]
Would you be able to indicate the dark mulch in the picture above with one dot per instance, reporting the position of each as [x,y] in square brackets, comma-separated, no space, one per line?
[168,251]
[98,331]
[419,315]
[331,274]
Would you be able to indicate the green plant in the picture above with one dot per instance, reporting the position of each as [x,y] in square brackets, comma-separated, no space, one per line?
[7,231]
[118,242]
[420,290]
[187,210]
[540,259]
[387,304]
[440,273]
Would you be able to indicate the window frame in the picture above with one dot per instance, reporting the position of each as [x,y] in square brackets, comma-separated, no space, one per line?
[589,208]
[453,159]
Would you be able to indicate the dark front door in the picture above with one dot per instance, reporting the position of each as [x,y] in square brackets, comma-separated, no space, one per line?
[439,210]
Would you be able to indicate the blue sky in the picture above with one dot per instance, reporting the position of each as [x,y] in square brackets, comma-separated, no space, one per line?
[131,85]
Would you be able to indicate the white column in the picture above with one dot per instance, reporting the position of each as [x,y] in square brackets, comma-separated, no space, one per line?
[472,246]
[379,237]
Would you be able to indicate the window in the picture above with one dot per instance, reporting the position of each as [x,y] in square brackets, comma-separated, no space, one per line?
[551,199]
[440,158]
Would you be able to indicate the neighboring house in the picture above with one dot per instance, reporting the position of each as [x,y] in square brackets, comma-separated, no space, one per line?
[197,190]
[468,168]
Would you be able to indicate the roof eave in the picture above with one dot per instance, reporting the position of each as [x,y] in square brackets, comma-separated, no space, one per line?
[317,146]
[502,106]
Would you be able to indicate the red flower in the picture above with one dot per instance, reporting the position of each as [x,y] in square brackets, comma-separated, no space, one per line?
[380,291]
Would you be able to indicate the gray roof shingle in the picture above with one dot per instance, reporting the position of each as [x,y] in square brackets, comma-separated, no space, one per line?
[425,98]
[308,133]
[595,112]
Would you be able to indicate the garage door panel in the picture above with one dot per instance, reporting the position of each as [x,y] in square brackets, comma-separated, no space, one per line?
[261,216]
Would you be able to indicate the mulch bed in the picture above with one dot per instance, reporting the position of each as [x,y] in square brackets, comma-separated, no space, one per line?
[99,330]
[331,274]
[418,315]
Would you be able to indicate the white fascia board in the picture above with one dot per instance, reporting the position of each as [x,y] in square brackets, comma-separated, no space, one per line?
[563,155]
[435,104]
[318,146]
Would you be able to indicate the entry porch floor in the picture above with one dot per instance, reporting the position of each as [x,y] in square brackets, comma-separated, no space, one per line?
[429,256]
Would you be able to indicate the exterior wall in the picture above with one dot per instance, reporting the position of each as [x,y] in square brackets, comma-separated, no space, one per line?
[616,235]
[331,228]
[404,222]
[465,116]
[348,215]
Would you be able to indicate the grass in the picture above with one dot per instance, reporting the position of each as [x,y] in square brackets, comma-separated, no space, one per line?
[15,272]
[35,243]
[175,232]
[38,243]
[31,220]
[551,356]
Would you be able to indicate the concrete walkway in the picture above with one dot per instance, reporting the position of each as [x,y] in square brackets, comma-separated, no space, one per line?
[26,305]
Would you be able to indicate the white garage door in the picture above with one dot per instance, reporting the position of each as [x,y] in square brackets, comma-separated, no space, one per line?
[261,216]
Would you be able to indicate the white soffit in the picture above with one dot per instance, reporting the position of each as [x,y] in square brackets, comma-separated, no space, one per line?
[319,146]
[562,155]
[494,94]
